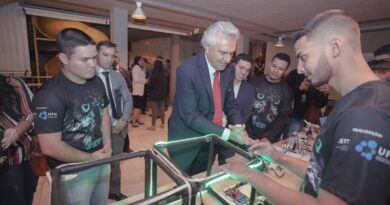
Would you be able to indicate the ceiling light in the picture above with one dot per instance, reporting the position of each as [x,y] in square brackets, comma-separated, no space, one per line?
[138,14]
[279,43]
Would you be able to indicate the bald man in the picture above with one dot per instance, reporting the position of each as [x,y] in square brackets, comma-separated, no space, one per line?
[350,161]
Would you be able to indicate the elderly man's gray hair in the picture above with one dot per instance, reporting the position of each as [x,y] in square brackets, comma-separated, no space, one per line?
[225,27]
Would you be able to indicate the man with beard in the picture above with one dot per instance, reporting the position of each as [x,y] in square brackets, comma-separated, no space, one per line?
[272,102]
[350,158]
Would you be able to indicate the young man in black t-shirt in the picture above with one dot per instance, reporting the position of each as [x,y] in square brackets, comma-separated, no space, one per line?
[72,119]
[272,101]
[350,162]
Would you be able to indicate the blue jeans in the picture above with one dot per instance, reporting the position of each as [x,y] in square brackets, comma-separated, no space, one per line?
[17,185]
[87,187]
[292,125]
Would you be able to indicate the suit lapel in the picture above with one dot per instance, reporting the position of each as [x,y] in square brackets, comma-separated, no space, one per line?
[204,74]
[225,80]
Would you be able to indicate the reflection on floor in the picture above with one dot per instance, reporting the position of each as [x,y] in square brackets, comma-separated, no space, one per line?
[132,170]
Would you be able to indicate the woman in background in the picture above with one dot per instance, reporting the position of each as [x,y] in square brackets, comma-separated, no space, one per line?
[139,81]
[17,181]
[158,93]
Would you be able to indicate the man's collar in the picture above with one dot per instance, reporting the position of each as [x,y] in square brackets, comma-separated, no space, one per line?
[210,68]
[101,69]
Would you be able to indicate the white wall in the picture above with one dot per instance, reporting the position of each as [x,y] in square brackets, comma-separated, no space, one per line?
[14,51]
[152,47]
[373,40]
[162,47]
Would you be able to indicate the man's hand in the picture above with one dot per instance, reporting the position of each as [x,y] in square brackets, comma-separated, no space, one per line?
[324,88]
[101,154]
[264,147]
[115,130]
[11,135]
[120,124]
[305,84]
[239,135]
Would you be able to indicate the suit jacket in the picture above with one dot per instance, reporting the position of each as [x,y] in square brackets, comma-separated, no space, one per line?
[120,93]
[193,107]
[245,96]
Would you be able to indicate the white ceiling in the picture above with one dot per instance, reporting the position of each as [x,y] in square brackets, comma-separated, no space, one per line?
[258,19]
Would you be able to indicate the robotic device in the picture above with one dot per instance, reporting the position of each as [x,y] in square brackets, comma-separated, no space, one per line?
[301,142]
[205,184]
[182,189]
[186,189]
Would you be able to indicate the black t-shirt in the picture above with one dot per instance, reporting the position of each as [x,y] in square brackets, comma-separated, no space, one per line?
[271,99]
[73,109]
[351,156]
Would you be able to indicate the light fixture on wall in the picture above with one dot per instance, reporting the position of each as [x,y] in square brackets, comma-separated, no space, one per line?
[279,43]
[138,14]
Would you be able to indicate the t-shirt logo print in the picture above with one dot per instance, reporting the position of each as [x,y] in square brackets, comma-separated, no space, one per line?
[367,149]
[43,115]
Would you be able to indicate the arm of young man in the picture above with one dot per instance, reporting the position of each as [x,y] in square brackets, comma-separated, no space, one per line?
[264,147]
[106,131]
[52,145]
[272,189]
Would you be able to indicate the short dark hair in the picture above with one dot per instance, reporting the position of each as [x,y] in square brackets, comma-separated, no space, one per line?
[108,44]
[244,57]
[316,21]
[379,65]
[283,57]
[68,39]
[382,50]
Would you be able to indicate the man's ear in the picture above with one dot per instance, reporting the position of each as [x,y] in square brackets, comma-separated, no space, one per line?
[206,47]
[335,46]
[63,58]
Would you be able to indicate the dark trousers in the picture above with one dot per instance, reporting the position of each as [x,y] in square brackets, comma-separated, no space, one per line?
[117,143]
[157,110]
[200,162]
[17,185]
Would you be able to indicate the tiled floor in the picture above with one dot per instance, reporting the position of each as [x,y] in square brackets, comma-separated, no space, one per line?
[132,170]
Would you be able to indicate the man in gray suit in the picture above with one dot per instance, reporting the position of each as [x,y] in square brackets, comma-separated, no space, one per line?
[120,108]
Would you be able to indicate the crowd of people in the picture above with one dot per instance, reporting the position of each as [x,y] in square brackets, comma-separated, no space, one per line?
[214,95]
